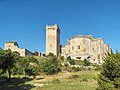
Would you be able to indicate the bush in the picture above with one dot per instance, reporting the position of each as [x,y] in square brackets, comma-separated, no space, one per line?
[71,61]
[97,67]
[76,69]
[109,78]
[86,62]
[104,83]
[106,86]
[26,66]
[51,69]
[50,66]
[117,83]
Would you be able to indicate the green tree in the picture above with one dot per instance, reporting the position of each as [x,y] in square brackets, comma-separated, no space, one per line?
[23,63]
[50,65]
[50,55]
[33,67]
[7,61]
[71,61]
[86,62]
[61,58]
[27,65]
[109,77]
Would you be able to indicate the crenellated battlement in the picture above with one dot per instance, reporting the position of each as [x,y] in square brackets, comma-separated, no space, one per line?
[53,27]
[52,39]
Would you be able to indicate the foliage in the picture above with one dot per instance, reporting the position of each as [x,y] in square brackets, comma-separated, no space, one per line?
[97,67]
[110,74]
[76,69]
[44,55]
[50,55]
[50,66]
[79,62]
[26,66]
[86,62]
[104,83]
[7,60]
[71,61]
[62,58]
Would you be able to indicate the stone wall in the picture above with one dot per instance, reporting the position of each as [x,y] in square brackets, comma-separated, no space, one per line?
[15,47]
[85,47]
[53,39]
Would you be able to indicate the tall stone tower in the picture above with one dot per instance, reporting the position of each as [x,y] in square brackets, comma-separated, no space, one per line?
[53,39]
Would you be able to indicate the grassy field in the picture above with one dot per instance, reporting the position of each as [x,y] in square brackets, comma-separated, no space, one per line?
[82,80]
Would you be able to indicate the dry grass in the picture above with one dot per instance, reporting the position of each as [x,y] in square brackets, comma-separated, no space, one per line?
[85,81]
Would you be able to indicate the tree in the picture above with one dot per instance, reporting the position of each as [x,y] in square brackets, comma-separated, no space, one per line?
[7,60]
[109,77]
[86,62]
[62,58]
[50,55]
[23,63]
[50,65]
[71,61]
[27,65]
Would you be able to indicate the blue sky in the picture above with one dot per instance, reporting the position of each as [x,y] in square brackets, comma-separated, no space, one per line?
[24,21]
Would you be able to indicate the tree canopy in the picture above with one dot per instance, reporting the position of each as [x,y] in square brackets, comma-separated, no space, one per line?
[109,77]
[7,61]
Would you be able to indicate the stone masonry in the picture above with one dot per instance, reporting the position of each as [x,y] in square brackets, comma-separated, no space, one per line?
[15,47]
[53,39]
[78,47]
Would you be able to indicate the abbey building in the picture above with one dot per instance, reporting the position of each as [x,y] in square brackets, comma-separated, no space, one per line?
[78,47]
[15,47]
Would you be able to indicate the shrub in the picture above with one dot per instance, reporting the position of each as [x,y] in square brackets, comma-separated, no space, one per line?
[76,69]
[61,58]
[50,66]
[109,78]
[104,83]
[97,67]
[51,69]
[86,62]
[117,83]
[26,66]
[71,61]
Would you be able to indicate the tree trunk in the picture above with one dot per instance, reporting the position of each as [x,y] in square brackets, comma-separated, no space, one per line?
[24,73]
[9,75]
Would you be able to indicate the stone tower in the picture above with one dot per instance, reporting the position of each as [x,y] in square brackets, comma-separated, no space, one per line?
[52,39]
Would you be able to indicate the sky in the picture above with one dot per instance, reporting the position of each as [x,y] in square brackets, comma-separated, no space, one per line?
[25,21]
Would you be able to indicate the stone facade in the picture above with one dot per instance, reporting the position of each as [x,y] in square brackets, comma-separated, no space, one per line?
[78,47]
[53,39]
[15,47]
[85,47]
